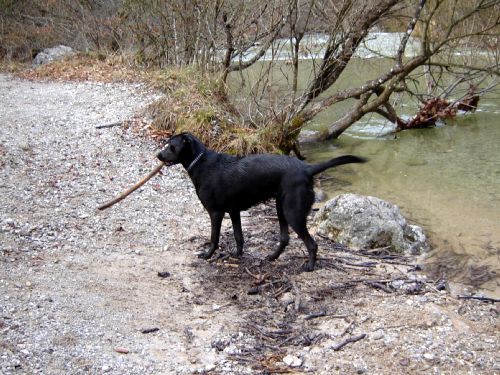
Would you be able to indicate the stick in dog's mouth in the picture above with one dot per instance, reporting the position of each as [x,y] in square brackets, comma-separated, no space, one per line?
[133,188]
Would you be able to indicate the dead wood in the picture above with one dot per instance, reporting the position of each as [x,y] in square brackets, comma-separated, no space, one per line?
[479,298]
[315,315]
[110,125]
[381,286]
[348,341]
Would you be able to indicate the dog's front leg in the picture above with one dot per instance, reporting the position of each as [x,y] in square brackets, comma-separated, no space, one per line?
[216,221]
[238,233]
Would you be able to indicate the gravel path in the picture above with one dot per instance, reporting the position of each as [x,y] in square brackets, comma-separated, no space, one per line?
[76,283]
[78,287]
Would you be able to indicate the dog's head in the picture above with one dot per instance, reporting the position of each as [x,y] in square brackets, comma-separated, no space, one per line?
[181,148]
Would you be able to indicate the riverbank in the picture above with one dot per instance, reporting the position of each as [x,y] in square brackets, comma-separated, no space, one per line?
[80,290]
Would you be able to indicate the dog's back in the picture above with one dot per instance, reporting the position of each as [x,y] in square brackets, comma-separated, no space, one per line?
[237,183]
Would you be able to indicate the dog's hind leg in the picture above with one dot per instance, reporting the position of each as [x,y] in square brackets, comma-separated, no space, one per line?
[284,236]
[312,247]
[238,233]
[296,208]
[216,221]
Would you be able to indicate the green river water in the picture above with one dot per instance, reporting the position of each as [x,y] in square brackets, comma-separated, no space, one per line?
[445,179]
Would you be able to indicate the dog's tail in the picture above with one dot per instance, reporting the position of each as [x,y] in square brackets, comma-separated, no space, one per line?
[345,159]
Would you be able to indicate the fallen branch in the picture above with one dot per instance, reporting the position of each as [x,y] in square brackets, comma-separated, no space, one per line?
[315,315]
[110,125]
[221,258]
[479,298]
[133,188]
[149,330]
[348,341]
[364,264]
[381,286]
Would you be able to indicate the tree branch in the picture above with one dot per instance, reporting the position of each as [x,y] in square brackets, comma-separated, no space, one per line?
[409,31]
[271,38]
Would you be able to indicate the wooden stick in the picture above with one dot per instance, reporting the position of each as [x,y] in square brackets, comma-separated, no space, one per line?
[348,341]
[479,298]
[378,285]
[110,125]
[133,188]
[315,315]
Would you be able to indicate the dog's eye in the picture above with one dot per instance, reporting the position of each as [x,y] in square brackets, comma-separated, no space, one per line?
[172,148]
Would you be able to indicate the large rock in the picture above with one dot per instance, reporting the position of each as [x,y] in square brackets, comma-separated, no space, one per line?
[364,222]
[51,54]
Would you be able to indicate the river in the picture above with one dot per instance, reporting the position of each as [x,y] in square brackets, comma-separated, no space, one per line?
[445,179]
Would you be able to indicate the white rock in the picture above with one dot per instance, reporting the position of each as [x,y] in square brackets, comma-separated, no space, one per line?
[429,356]
[292,361]
[377,335]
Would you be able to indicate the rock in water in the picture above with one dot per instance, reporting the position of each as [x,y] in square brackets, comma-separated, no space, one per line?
[364,222]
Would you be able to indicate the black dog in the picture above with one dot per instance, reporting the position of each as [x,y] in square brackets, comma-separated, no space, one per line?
[226,183]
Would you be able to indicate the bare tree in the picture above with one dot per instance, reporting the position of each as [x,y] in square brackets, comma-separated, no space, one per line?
[374,95]
[442,27]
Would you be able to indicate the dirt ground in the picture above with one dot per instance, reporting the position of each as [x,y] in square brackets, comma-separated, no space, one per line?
[122,291]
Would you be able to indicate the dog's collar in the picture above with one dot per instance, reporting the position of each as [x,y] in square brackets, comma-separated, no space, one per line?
[195,161]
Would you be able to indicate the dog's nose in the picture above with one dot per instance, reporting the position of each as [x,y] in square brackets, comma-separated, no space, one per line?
[160,156]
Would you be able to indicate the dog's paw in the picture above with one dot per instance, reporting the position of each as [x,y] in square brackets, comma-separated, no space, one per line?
[204,255]
[272,257]
[237,255]
[307,268]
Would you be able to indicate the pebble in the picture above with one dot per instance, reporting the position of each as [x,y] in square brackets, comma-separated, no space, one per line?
[210,367]
[360,366]
[377,335]
[292,361]
[404,362]
[429,356]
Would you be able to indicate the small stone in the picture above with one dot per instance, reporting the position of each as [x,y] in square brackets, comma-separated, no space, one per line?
[292,361]
[287,298]
[209,367]
[28,284]
[378,335]
[360,367]
[397,284]
[404,362]
[441,284]
[422,299]
[122,350]
[429,356]
[106,368]
[253,290]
